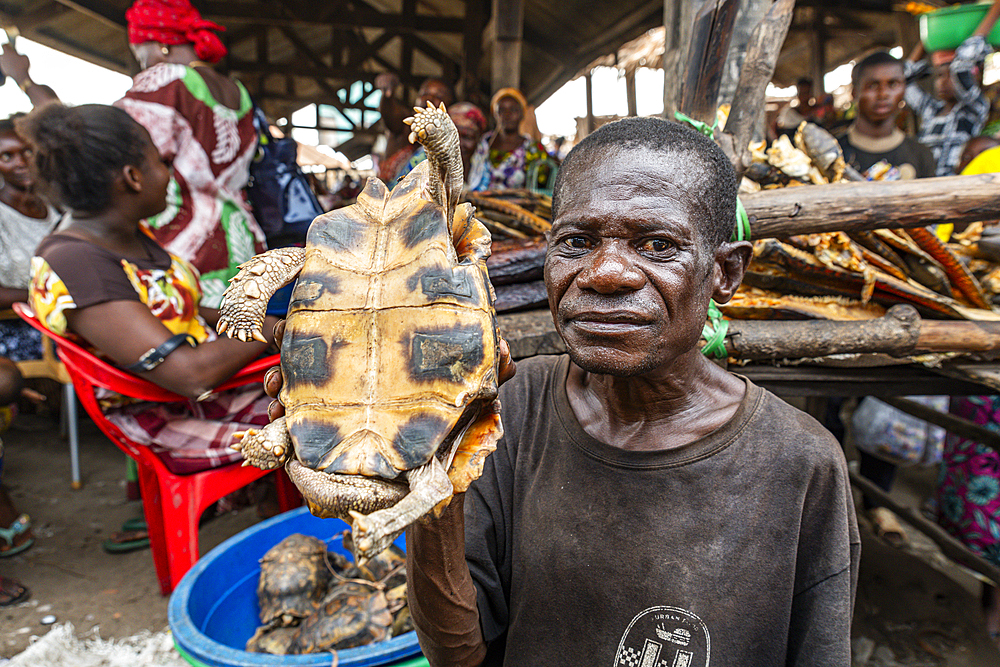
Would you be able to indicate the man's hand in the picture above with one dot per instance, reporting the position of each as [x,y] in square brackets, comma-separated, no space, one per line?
[273,380]
[14,65]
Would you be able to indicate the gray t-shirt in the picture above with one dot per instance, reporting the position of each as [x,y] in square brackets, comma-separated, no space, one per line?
[739,549]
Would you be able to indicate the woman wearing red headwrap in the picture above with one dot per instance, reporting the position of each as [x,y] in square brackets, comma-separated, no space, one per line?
[202,122]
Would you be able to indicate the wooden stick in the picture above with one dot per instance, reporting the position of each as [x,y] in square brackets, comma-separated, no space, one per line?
[712,33]
[950,547]
[852,207]
[758,68]
[895,333]
[963,428]
[900,332]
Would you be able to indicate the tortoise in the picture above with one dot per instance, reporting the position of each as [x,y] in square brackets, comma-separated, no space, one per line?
[294,578]
[390,350]
[353,614]
[271,639]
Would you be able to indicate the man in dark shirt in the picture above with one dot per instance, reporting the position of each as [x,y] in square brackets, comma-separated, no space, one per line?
[645,506]
[879,84]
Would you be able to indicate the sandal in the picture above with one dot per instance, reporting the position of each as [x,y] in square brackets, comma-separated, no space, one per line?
[20,526]
[12,592]
[132,537]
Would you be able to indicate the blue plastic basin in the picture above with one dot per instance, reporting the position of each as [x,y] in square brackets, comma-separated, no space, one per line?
[214,610]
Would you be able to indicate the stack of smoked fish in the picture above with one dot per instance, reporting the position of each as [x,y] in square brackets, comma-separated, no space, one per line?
[518,220]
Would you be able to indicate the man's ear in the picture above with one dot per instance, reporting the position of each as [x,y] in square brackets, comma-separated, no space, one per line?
[132,178]
[731,262]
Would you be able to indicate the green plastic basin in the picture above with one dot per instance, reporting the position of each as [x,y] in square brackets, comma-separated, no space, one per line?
[945,29]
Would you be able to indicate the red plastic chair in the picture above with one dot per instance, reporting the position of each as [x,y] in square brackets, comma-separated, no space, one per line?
[172,503]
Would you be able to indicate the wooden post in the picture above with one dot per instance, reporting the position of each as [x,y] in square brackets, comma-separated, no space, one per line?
[508,26]
[630,93]
[818,60]
[677,17]
[758,67]
[590,103]
[472,47]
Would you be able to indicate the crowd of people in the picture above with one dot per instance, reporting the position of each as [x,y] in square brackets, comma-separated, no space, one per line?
[132,218]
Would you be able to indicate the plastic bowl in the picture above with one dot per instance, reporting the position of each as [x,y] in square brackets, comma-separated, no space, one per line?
[945,29]
[214,610]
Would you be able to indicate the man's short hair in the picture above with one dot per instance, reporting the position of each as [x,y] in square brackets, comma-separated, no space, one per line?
[873,60]
[714,185]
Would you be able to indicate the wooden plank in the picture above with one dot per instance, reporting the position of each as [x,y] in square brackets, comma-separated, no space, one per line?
[963,428]
[872,205]
[950,547]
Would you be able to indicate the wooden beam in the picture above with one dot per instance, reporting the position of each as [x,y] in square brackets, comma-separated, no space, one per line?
[60,43]
[30,20]
[363,16]
[104,12]
[963,428]
[873,204]
[572,64]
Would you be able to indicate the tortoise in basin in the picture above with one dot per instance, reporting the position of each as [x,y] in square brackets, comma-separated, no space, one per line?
[293,580]
[354,613]
[390,350]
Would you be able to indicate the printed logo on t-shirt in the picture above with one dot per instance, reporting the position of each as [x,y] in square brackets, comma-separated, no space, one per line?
[664,637]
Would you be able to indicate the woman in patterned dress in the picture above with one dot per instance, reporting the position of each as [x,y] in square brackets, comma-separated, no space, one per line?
[201,122]
[968,493]
[25,219]
[505,155]
[102,280]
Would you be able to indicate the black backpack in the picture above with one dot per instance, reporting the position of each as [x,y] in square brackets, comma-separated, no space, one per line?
[282,200]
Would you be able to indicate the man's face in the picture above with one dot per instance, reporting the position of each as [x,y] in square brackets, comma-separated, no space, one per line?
[879,92]
[435,92]
[628,274]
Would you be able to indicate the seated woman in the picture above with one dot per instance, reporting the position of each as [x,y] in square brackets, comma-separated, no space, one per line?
[104,280]
[25,219]
[505,156]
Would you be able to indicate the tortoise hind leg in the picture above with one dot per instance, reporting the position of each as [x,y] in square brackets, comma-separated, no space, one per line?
[372,533]
[267,448]
[244,303]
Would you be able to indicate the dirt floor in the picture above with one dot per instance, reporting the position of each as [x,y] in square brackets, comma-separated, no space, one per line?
[913,608]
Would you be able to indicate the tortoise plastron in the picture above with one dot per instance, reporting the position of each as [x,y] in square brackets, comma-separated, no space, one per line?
[390,350]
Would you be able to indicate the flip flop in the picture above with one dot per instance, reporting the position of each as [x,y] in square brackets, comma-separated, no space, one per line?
[20,526]
[12,592]
[137,523]
[125,541]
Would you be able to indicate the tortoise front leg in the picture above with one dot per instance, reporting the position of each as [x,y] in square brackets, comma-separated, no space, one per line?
[372,533]
[267,448]
[244,303]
